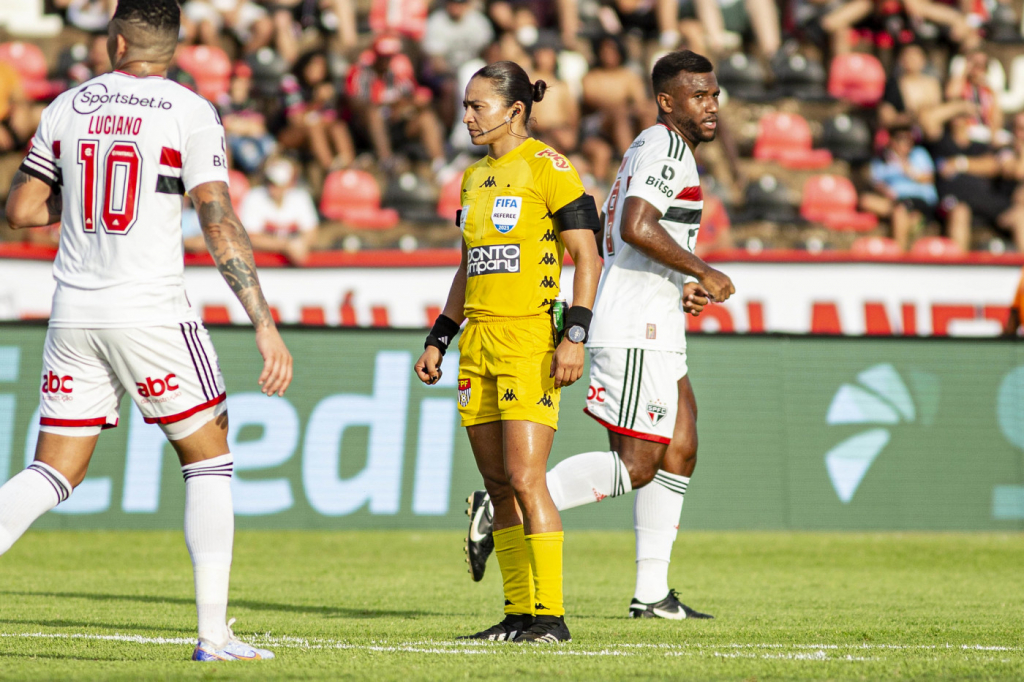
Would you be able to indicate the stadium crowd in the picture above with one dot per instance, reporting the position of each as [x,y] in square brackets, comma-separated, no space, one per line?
[881,126]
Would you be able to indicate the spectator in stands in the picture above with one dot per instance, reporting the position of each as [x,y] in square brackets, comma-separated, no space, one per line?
[335,18]
[244,122]
[192,238]
[839,17]
[18,118]
[968,175]
[903,180]
[909,90]
[526,18]
[616,105]
[1013,156]
[555,120]
[90,16]
[247,21]
[456,33]
[280,217]
[705,24]
[311,112]
[971,84]
[390,106]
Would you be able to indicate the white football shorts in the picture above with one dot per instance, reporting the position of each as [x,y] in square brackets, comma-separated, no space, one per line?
[170,371]
[635,392]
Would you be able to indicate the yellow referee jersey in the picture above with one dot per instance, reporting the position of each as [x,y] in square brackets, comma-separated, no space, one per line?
[515,254]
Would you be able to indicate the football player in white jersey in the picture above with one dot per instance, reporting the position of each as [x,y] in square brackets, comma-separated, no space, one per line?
[639,388]
[111,160]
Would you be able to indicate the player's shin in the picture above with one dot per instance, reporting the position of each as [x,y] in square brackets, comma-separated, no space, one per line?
[209,535]
[516,576]
[656,513]
[26,497]
[588,477]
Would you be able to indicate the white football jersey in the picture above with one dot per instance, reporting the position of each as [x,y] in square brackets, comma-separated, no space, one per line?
[639,301]
[123,150]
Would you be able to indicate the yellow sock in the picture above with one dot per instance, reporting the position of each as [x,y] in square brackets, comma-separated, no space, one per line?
[514,561]
[546,562]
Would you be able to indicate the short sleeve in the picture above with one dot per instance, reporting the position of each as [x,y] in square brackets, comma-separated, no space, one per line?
[661,177]
[43,158]
[556,180]
[204,158]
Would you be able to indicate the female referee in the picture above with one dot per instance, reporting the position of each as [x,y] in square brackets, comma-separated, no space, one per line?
[523,206]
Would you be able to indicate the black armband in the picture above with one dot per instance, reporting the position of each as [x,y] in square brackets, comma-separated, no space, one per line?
[580,214]
[442,333]
[578,316]
[458,218]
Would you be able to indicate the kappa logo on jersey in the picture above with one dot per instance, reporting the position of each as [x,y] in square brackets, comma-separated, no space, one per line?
[656,410]
[557,160]
[90,98]
[545,400]
[489,182]
[54,383]
[596,393]
[509,395]
[505,213]
[154,388]
[549,236]
[464,390]
[497,258]
[548,283]
[548,259]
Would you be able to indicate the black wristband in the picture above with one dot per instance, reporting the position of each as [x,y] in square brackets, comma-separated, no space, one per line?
[442,333]
[578,316]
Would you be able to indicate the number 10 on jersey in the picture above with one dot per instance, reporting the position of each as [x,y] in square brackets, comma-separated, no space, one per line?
[118,186]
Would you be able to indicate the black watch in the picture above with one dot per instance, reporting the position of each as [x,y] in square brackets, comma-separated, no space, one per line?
[576,333]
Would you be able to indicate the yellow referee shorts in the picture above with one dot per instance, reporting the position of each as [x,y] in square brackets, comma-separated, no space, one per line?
[505,371]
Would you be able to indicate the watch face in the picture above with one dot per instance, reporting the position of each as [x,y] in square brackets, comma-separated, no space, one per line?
[576,334]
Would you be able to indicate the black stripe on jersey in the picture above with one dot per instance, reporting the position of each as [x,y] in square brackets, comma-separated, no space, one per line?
[50,178]
[671,143]
[165,184]
[679,149]
[41,160]
[678,214]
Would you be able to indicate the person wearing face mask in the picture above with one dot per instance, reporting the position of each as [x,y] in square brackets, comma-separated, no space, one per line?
[280,217]
[523,207]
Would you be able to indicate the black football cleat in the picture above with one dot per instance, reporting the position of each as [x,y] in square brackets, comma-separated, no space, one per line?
[546,630]
[670,608]
[505,631]
[480,542]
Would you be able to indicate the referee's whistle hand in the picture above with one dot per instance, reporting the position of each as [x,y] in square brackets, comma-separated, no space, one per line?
[428,367]
[567,364]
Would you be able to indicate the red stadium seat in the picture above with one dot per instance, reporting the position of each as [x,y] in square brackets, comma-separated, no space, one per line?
[352,196]
[786,138]
[30,63]
[876,247]
[238,187]
[210,67]
[936,247]
[857,78]
[832,201]
[451,199]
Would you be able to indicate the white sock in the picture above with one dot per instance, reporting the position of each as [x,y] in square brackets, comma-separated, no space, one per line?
[209,534]
[588,477]
[656,513]
[23,499]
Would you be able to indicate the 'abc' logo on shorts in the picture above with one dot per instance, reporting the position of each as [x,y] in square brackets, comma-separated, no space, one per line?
[153,388]
[54,383]
[596,393]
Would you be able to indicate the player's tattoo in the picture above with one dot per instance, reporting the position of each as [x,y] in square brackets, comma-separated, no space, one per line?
[20,178]
[231,250]
[54,205]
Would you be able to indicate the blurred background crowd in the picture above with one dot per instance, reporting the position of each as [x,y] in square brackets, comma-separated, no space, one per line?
[879,126]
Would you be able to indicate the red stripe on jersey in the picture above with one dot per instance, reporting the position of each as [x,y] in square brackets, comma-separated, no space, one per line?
[98,421]
[170,419]
[691,194]
[170,157]
[56,149]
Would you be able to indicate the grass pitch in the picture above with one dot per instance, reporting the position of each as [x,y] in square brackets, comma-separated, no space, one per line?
[387,606]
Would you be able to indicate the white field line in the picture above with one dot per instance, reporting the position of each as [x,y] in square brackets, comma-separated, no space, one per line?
[804,652]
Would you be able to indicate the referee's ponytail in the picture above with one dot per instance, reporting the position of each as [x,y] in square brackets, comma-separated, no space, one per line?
[513,85]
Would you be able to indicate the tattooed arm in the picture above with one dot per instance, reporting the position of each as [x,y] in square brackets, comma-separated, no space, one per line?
[229,245]
[32,202]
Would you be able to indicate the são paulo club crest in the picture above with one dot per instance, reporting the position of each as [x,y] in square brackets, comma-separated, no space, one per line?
[464,388]
[656,410]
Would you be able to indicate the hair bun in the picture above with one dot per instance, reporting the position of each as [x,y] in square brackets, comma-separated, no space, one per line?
[539,88]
